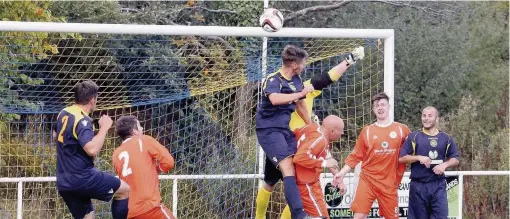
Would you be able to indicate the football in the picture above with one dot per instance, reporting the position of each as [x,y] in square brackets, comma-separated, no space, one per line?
[271,20]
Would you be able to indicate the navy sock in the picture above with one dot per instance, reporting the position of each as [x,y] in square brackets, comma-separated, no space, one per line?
[292,196]
[120,208]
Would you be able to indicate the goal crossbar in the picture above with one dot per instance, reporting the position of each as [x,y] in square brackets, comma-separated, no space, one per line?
[192,30]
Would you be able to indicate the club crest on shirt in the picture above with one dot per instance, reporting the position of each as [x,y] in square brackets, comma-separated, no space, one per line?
[433,154]
[393,134]
[433,142]
[384,144]
[291,85]
[84,122]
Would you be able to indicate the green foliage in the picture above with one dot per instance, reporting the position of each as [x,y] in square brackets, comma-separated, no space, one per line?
[21,48]
[247,13]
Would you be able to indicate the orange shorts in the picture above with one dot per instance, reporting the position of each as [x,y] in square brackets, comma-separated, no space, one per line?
[313,199]
[160,212]
[366,194]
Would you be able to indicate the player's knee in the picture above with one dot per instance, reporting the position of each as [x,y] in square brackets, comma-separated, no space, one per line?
[269,184]
[320,81]
[90,215]
[123,191]
[287,167]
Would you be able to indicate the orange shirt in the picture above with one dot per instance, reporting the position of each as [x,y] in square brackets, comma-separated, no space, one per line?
[134,162]
[378,148]
[313,148]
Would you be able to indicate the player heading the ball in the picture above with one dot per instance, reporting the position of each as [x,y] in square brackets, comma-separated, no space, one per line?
[137,161]
[283,93]
[77,180]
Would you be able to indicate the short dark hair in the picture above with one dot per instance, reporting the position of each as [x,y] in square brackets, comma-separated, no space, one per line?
[125,126]
[84,91]
[293,53]
[380,96]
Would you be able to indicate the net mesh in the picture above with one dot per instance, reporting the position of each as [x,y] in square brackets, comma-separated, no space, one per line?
[196,95]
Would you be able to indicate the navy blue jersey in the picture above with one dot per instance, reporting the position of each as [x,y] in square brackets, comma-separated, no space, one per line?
[74,165]
[438,148]
[269,115]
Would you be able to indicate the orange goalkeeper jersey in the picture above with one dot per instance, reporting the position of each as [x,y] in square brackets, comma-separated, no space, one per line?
[136,162]
[378,148]
[313,148]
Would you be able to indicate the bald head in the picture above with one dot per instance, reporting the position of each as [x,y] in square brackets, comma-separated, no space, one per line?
[429,117]
[430,109]
[334,127]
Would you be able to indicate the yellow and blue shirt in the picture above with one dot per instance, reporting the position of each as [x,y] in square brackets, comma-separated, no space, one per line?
[269,115]
[74,131]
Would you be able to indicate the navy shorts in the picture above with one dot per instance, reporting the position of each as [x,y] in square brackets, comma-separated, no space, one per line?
[428,200]
[102,187]
[278,144]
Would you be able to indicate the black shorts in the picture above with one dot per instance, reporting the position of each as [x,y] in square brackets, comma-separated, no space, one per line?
[79,201]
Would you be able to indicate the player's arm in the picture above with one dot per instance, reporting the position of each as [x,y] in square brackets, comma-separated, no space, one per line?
[273,92]
[306,155]
[320,81]
[160,153]
[354,157]
[302,111]
[407,153]
[93,144]
[335,169]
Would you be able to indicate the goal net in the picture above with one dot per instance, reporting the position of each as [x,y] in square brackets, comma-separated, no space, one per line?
[195,89]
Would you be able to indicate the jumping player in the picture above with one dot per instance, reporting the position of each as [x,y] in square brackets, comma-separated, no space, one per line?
[77,180]
[312,156]
[378,147]
[319,82]
[284,92]
[429,151]
[137,161]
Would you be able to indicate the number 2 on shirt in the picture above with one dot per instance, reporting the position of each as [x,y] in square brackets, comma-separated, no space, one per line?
[64,126]
[126,171]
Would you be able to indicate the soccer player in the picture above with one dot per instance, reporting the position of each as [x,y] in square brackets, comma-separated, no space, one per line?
[137,161]
[312,156]
[319,82]
[284,92]
[378,148]
[429,151]
[77,180]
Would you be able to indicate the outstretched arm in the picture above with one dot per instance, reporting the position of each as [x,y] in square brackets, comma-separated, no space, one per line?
[320,81]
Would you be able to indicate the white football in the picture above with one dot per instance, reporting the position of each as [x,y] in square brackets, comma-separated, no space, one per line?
[271,20]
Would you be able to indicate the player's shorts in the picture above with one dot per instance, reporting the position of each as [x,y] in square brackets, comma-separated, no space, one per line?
[102,187]
[277,143]
[313,199]
[160,212]
[428,200]
[366,193]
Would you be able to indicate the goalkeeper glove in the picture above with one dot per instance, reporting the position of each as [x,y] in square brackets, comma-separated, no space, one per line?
[355,55]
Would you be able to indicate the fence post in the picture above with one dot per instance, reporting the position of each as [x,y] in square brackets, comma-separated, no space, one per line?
[174,199]
[461,194]
[20,200]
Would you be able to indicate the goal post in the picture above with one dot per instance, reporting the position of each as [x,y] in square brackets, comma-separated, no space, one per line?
[196,96]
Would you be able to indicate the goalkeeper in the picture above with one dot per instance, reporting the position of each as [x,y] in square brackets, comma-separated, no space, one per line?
[319,82]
